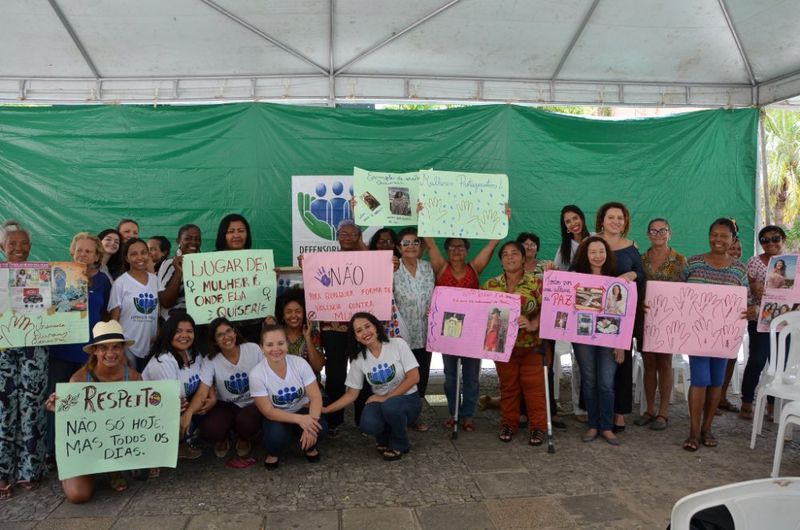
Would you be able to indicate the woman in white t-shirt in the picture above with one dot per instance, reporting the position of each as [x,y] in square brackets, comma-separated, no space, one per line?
[134,301]
[392,371]
[286,392]
[227,368]
[175,358]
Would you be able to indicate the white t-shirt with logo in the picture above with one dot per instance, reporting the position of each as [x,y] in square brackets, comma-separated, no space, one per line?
[232,380]
[164,367]
[138,305]
[385,372]
[288,394]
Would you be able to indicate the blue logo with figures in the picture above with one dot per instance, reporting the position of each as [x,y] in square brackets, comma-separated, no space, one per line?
[286,396]
[190,387]
[382,374]
[323,213]
[238,384]
[145,303]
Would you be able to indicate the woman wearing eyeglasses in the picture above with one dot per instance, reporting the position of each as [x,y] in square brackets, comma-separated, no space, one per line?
[772,239]
[661,263]
[413,288]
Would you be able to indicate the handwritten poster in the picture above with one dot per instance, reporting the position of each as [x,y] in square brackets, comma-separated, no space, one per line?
[694,319]
[468,205]
[338,284]
[103,427]
[43,303]
[781,293]
[588,309]
[237,284]
[385,199]
[473,323]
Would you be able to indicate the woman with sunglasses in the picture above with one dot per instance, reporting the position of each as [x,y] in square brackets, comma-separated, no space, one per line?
[772,239]
[413,289]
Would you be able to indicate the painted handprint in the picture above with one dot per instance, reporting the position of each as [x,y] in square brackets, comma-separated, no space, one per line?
[687,295]
[704,303]
[677,335]
[322,277]
[728,337]
[660,308]
[487,219]
[652,337]
[726,306]
[463,207]
[702,330]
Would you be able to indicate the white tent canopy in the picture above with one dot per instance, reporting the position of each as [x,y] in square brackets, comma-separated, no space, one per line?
[598,52]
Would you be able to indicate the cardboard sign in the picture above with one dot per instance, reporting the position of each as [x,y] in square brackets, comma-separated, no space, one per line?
[781,292]
[339,284]
[385,199]
[694,319]
[103,427]
[473,323]
[236,284]
[467,205]
[588,309]
[43,303]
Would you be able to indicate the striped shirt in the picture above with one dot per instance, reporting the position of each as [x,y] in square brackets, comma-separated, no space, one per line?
[698,271]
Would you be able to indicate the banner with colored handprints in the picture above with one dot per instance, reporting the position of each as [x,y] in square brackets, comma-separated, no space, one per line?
[236,284]
[588,309]
[781,292]
[473,323]
[467,205]
[338,284]
[43,303]
[102,427]
[694,319]
[385,199]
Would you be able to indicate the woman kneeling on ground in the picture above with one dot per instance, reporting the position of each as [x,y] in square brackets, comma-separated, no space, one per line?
[286,393]
[393,373]
[107,363]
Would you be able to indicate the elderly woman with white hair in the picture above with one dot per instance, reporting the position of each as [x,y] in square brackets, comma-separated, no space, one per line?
[23,386]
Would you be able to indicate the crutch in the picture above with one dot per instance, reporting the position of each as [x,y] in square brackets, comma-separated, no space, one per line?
[458,398]
[550,447]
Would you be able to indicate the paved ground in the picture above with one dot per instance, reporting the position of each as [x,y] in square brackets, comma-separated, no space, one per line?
[472,482]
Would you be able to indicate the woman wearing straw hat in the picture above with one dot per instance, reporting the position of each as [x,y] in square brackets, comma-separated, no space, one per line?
[107,363]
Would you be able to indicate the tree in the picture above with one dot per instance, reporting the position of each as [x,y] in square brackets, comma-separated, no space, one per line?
[782,130]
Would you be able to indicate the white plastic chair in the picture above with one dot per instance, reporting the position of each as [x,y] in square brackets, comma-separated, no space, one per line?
[762,504]
[576,386]
[680,372]
[561,348]
[781,378]
[790,415]
[680,376]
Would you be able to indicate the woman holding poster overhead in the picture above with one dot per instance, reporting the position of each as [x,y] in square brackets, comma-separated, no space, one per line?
[522,375]
[391,370]
[612,224]
[718,268]
[772,239]
[23,387]
[598,365]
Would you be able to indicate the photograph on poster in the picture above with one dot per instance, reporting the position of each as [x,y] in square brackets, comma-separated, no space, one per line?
[452,324]
[781,272]
[585,323]
[608,325]
[400,201]
[589,298]
[496,329]
[561,320]
[370,200]
[616,299]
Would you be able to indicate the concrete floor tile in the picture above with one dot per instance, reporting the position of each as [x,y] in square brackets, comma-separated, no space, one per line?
[513,484]
[529,512]
[306,520]
[226,521]
[78,523]
[166,522]
[467,516]
[596,508]
[378,519]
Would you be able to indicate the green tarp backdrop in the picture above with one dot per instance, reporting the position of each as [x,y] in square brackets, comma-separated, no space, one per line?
[66,169]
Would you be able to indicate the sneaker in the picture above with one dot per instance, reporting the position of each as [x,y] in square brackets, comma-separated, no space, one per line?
[188,452]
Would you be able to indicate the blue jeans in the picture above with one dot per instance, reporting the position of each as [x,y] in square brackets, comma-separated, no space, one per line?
[388,421]
[758,357]
[598,369]
[470,377]
[277,436]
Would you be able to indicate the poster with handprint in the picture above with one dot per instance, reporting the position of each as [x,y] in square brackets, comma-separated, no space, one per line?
[339,284]
[781,292]
[385,199]
[466,205]
[588,309]
[694,319]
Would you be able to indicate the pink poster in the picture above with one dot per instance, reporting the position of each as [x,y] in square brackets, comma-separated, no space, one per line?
[588,309]
[473,323]
[338,284]
[781,292]
[694,319]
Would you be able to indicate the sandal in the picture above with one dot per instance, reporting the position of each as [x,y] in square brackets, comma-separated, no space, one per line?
[118,482]
[536,438]
[391,455]
[272,465]
[28,485]
[221,449]
[644,419]
[420,427]
[708,439]
[315,457]
[5,492]
[690,444]
[747,411]
[505,434]
[333,432]
[154,472]
[243,447]
[727,405]
[450,423]
[468,426]
[659,423]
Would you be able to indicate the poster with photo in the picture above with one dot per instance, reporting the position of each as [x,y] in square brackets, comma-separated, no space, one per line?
[385,199]
[588,309]
[781,294]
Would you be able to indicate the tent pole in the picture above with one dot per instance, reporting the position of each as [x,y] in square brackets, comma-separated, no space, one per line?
[762,192]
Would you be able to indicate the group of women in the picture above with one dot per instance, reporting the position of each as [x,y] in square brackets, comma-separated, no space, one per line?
[264,377]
